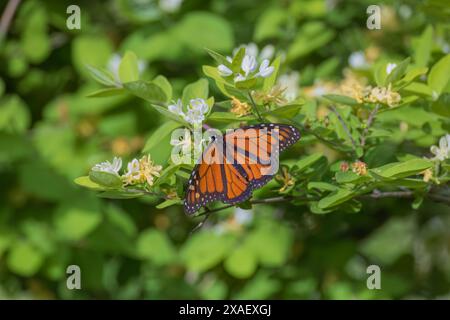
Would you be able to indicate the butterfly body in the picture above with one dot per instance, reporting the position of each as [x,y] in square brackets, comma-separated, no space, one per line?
[235,164]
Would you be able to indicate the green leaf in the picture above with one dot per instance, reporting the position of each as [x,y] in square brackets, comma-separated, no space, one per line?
[146,90]
[90,50]
[423,47]
[75,218]
[241,263]
[419,89]
[153,143]
[105,179]
[197,89]
[120,194]
[341,99]
[270,243]
[378,246]
[213,73]
[199,30]
[311,36]
[155,246]
[270,81]
[86,182]
[287,111]
[168,203]
[14,115]
[205,249]
[269,23]
[305,162]
[410,76]
[237,60]
[442,105]
[107,92]
[335,198]
[164,111]
[228,116]
[102,76]
[165,85]
[440,75]
[128,68]
[402,169]
[24,259]
[220,59]
[246,84]
[322,186]
[351,177]
[398,71]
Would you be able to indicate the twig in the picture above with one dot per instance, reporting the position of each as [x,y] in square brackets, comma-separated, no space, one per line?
[344,125]
[207,213]
[331,143]
[369,123]
[254,201]
[255,107]
[6,18]
[376,194]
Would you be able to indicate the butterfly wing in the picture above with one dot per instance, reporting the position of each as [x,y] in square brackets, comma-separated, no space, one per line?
[207,180]
[256,150]
[231,179]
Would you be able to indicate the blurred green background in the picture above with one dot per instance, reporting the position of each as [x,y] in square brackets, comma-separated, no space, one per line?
[51,133]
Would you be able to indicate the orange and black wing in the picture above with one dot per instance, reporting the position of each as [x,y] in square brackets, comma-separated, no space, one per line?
[255,150]
[244,161]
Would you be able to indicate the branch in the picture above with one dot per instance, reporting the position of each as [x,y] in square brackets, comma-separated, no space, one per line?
[254,106]
[7,16]
[344,125]
[369,123]
[207,213]
[376,194]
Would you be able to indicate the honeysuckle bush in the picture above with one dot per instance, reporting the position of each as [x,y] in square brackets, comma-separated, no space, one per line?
[87,120]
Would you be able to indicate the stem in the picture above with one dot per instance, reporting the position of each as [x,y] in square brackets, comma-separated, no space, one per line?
[6,18]
[376,194]
[255,107]
[344,125]
[207,214]
[369,123]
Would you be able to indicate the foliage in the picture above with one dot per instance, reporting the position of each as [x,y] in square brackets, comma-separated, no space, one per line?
[366,184]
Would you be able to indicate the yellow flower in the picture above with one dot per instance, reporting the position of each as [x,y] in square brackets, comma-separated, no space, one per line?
[141,171]
[353,86]
[360,168]
[275,95]
[427,175]
[149,169]
[384,95]
[239,108]
[285,178]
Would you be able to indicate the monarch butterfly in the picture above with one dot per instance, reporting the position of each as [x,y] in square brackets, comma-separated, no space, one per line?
[235,164]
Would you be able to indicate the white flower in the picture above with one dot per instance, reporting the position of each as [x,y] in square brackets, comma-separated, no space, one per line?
[243,217]
[224,71]
[390,67]
[267,52]
[114,63]
[264,69]
[133,171]
[176,108]
[290,84]
[170,5]
[196,111]
[357,60]
[443,151]
[183,141]
[109,167]
[248,64]
[251,49]
[239,77]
